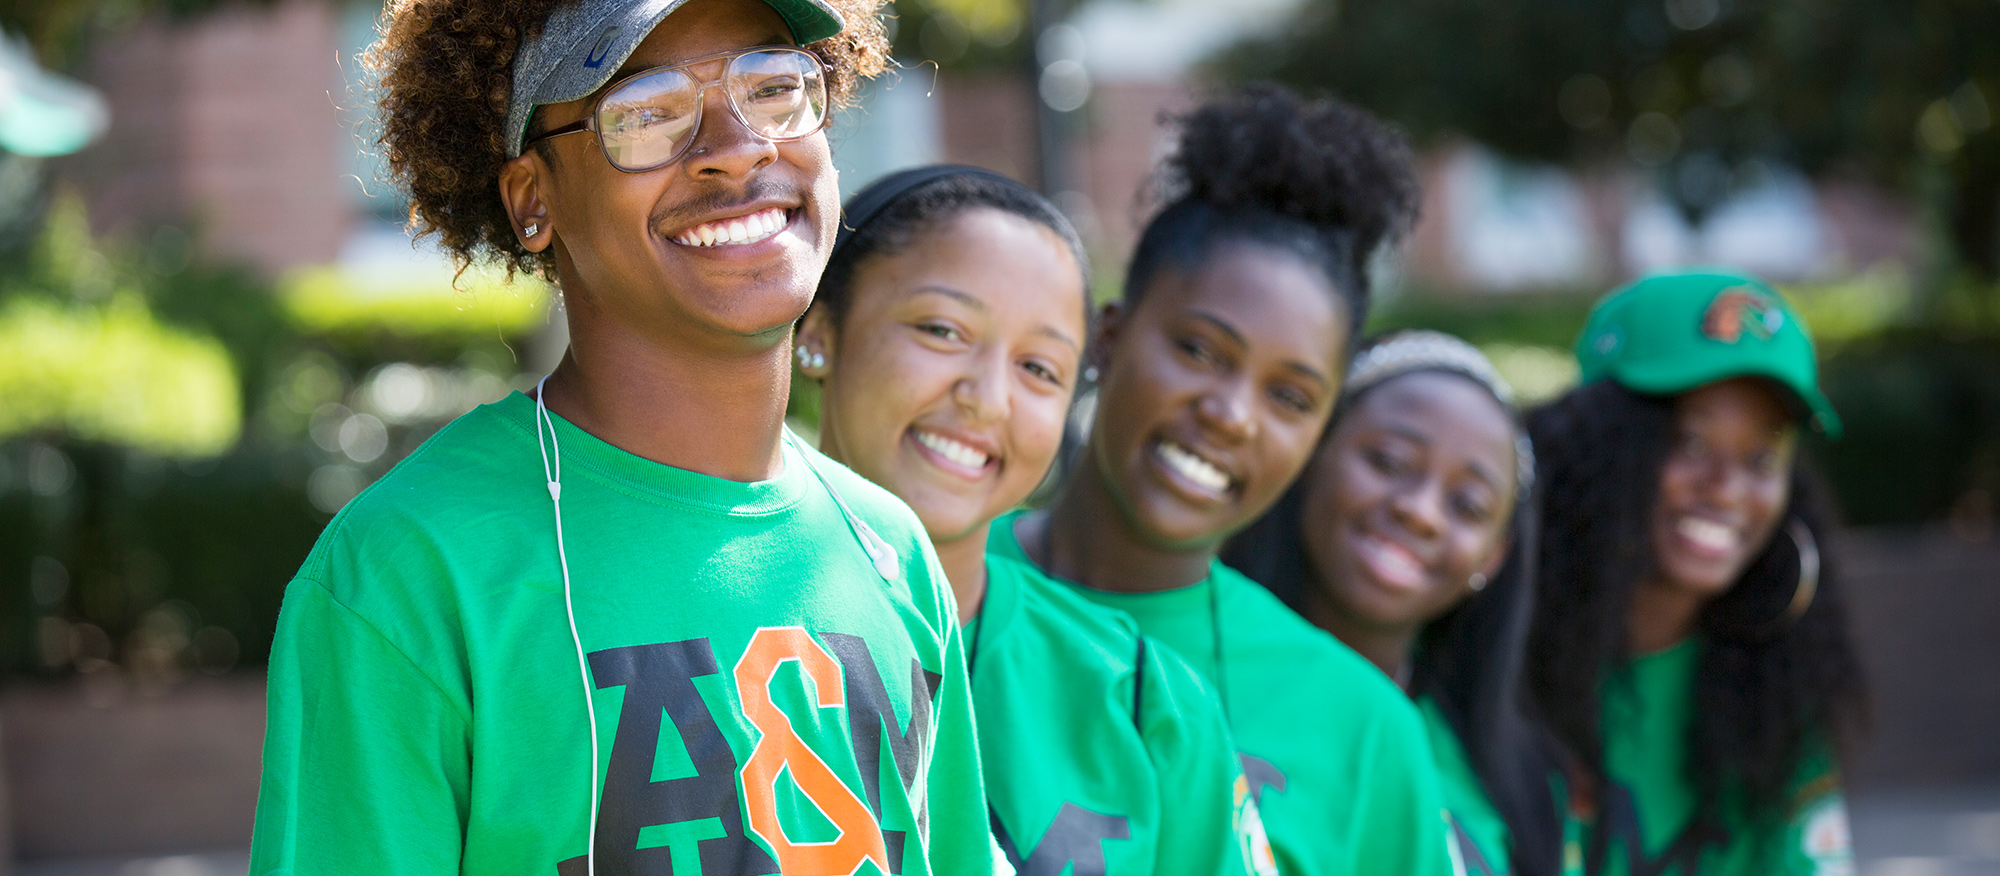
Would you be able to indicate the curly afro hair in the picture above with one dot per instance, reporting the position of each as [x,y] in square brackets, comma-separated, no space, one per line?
[1318,177]
[446,69]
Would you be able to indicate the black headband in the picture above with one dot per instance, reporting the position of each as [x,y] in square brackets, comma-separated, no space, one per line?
[878,195]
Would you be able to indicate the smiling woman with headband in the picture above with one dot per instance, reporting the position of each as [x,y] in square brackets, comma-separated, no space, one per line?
[1691,644]
[1394,540]
[948,339]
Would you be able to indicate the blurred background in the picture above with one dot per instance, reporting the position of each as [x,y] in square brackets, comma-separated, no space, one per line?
[214,330]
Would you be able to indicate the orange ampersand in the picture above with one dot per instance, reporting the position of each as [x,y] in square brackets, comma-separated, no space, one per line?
[779,747]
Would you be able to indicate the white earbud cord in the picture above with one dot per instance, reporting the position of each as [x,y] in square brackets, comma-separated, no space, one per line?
[552,470]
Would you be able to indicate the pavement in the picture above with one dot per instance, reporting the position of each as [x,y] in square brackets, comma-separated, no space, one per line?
[1903,832]
[1928,832]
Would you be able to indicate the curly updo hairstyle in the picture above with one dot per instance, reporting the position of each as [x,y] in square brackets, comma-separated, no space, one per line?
[446,69]
[1771,693]
[1318,178]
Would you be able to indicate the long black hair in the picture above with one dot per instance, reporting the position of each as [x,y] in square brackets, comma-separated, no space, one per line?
[1468,660]
[1771,692]
[1317,178]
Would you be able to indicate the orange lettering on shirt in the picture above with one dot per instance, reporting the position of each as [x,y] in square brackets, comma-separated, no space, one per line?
[779,747]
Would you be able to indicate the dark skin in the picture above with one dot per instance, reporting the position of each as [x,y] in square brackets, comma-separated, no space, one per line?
[658,328]
[1722,493]
[1409,498]
[1215,389]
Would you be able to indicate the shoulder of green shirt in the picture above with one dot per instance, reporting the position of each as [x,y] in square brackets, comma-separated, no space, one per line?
[891,518]
[896,524]
[399,505]
[1038,592]
[1276,621]
[369,557]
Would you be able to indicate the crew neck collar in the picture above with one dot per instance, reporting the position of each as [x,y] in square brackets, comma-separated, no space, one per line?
[1000,540]
[651,481]
[1002,599]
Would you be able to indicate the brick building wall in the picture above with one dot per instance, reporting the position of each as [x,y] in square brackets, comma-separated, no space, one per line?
[226,124]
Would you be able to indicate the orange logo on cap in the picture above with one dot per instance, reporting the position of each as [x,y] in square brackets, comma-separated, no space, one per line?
[1739,310]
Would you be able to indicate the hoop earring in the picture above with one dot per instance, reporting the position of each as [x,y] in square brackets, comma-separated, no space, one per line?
[1808,585]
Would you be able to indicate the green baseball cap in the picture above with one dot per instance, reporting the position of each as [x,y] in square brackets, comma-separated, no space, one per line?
[1669,333]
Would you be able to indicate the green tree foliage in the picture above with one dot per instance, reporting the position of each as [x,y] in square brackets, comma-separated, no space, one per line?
[60,29]
[1704,91]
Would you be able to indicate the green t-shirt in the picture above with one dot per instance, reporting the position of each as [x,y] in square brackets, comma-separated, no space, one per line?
[1648,706]
[1074,777]
[765,701]
[1483,839]
[1336,755]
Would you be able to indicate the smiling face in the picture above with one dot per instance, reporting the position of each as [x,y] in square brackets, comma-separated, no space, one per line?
[1724,486]
[659,251]
[1217,386]
[949,379]
[1407,499]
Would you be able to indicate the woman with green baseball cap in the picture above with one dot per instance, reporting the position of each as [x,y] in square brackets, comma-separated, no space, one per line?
[1690,646]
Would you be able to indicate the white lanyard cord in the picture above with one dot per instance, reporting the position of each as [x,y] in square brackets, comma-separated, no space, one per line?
[552,470]
[879,553]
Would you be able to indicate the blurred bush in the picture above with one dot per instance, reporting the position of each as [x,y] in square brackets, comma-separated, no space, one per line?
[174,435]
[330,302]
[1923,429]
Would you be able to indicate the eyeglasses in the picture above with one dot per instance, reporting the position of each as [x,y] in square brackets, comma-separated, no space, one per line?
[646,120]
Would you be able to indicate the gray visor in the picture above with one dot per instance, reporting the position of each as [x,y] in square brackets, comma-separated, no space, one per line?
[585,42]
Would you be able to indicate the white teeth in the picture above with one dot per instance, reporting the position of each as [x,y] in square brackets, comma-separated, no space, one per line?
[955,451]
[1395,561]
[1706,533]
[742,229]
[1194,468]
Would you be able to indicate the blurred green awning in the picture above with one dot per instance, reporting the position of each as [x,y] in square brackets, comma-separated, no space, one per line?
[43,114]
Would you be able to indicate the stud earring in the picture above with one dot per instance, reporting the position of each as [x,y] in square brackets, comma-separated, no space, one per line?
[1090,374]
[1477,582]
[799,353]
[818,362]
[530,230]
